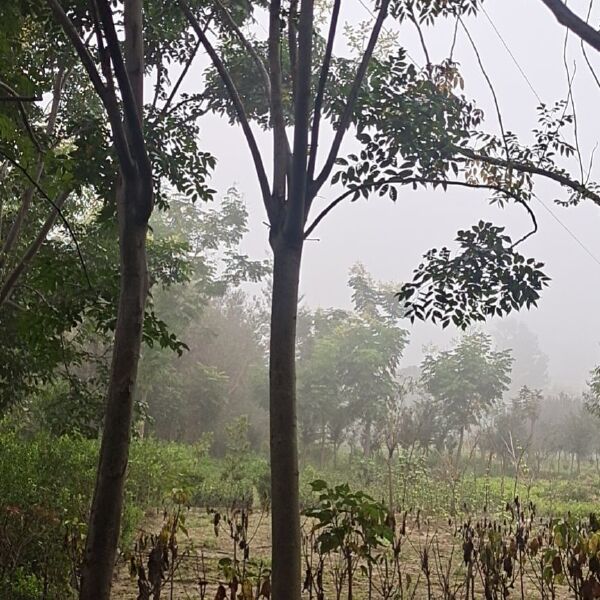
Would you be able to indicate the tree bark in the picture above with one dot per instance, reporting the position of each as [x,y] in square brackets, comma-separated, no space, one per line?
[134,206]
[105,517]
[461,440]
[285,522]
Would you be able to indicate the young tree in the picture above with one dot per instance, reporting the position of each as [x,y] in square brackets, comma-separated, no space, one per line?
[122,94]
[348,372]
[410,125]
[466,381]
[530,367]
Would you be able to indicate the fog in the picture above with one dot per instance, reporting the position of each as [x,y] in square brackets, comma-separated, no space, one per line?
[389,238]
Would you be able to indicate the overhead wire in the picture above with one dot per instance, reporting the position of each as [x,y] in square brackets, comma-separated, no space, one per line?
[539,99]
[535,93]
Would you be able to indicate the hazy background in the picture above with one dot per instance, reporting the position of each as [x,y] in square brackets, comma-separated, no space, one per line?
[389,238]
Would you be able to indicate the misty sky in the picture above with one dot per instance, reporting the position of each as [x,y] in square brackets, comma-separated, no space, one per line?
[389,238]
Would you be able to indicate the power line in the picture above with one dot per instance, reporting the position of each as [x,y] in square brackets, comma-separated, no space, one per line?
[532,88]
[569,231]
[501,38]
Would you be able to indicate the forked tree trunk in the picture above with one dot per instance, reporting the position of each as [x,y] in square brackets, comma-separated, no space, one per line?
[134,205]
[286,550]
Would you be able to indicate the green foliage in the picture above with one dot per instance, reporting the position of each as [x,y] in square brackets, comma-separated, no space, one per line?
[593,397]
[487,277]
[348,360]
[348,522]
[467,380]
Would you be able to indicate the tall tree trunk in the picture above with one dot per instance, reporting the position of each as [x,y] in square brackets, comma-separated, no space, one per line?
[390,482]
[284,447]
[107,504]
[134,205]
[461,440]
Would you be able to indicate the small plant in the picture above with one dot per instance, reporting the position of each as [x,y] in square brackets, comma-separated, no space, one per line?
[349,526]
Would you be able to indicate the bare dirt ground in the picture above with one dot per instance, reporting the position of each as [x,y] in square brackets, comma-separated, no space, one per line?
[200,551]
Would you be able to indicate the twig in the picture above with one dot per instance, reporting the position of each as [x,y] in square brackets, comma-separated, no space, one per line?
[57,208]
[418,180]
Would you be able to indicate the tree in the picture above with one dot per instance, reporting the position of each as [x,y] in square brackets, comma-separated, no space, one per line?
[466,381]
[116,72]
[530,366]
[413,126]
[348,371]
[213,379]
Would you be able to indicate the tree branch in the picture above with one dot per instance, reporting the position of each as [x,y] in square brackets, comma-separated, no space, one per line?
[314,137]
[373,185]
[27,196]
[165,108]
[293,45]
[16,98]
[106,95]
[565,16]
[346,117]
[237,102]
[249,48]
[564,180]
[280,140]
[57,208]
[21,267]
[132,99]
[295,217]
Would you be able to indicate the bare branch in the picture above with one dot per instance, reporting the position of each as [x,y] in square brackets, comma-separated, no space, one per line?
[490,85]
[280,141]
[293,44]
[314,137]
[565,16]
[373,185]
[295,216]
[21,267]
[165,108]
[346,117]
[415,21]
[571,101]
[584,51]
[237,102]
[57,208]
